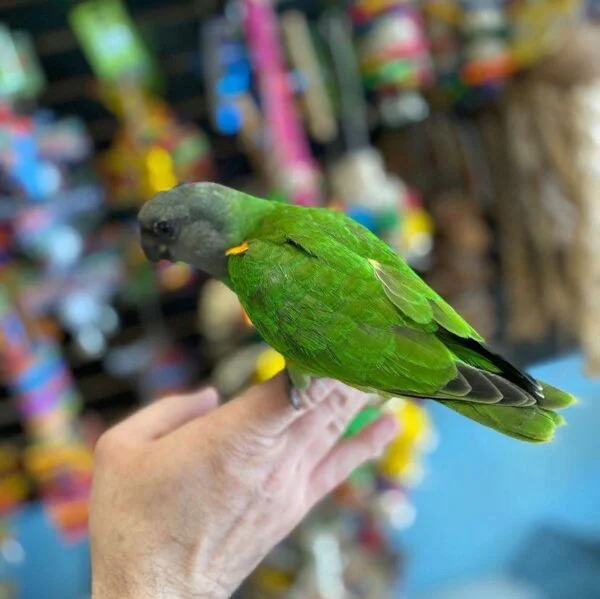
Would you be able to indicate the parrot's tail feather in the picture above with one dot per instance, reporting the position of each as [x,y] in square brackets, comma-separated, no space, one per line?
[478,355]
[555,399]
[479,386]
[533,424]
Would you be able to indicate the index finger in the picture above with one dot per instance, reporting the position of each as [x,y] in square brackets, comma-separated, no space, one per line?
[166,415]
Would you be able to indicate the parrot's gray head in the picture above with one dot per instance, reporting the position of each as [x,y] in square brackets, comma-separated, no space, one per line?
[190,223]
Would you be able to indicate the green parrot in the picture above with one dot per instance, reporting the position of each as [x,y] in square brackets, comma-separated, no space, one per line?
[338,302]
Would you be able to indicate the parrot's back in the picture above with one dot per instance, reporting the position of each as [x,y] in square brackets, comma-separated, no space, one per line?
[336,301]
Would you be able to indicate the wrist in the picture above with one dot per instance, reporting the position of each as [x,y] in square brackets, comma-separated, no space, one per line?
[202,588]
[150,594]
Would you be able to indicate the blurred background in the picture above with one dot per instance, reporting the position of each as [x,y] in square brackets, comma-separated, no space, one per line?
[465,133]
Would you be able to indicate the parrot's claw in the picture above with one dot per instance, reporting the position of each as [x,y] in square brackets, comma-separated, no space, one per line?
[298,382]
[295,399]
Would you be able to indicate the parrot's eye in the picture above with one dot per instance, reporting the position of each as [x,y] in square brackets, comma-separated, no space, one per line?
[163,228]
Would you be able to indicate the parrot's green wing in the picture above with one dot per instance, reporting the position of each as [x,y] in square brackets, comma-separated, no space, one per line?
[416,300]
[409,293]
[330,324]
[338,302]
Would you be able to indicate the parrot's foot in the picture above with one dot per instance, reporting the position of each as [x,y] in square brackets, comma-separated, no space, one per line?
[298,381]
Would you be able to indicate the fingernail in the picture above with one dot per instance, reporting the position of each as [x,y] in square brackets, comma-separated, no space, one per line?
[296,398]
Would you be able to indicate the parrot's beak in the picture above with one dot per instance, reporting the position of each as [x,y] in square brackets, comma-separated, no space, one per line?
[155,251]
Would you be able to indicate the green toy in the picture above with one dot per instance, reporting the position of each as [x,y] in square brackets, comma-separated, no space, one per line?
[338,302]
[111,42]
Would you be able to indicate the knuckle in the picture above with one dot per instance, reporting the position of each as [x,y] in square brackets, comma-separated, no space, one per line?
[255,466]
[280,483]
[108,447]
[338,413]
[235,451]
[308,400]
[232,461]
[254,443]
[273,486]
[320,389]
[336,427]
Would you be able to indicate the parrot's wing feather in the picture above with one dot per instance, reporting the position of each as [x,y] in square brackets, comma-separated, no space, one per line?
[416,299]
[402,285]
[334,324]
[477,354]
[478,386]
[454,331]
[493,387]
[323,324]
[423,308]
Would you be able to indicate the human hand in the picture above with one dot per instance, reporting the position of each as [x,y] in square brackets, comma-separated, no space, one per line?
[188,499]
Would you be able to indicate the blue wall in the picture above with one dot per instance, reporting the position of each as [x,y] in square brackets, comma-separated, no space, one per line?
[51,568]
[484,494]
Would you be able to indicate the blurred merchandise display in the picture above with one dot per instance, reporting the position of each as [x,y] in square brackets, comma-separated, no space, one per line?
[58,460]
[552,109]
[462,132]
[14,483]
[111,42]
[486,54]
[463,272]
[15,487]
[297,172]
[592,8]
[21,75]
[50,208]
[340,557]
[64,266]
[394,57]
[158,366]
[49,203]
[538,29]
[153,151]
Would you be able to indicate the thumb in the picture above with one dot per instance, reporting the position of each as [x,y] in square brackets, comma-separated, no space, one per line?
[167,415]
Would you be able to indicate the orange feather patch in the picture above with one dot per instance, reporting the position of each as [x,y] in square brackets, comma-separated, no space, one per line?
[238,249]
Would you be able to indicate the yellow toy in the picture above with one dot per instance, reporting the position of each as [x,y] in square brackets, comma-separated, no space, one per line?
[401,461]
[14,486]
[539,28]
[269,364]
[152,151]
